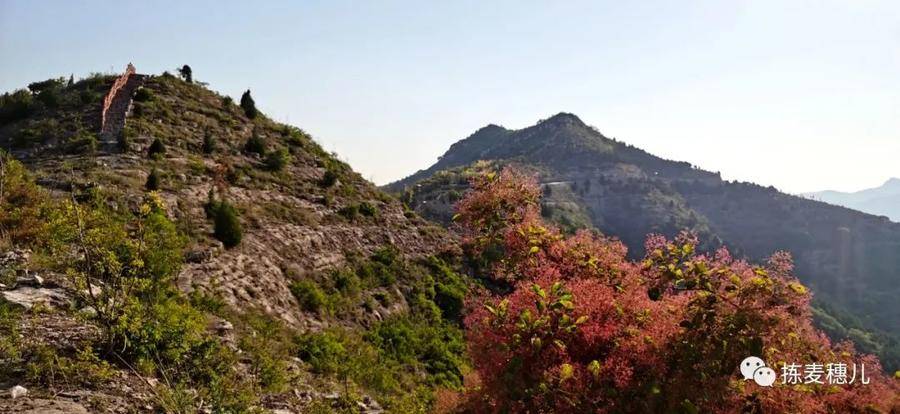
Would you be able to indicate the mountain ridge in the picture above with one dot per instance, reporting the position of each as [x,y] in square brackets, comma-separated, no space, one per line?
[883,200]
[848,257]
[316,256]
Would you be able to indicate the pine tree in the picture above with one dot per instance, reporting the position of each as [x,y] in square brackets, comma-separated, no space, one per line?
[248,105]
[227,227]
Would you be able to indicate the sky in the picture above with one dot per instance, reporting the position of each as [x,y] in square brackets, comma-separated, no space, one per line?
[801,95]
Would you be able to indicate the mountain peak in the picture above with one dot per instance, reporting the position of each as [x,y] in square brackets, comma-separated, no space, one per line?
[489,128]
[562,118]
[892,182]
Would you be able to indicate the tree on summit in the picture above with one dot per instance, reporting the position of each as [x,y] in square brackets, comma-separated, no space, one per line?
[186,73]
[248,105]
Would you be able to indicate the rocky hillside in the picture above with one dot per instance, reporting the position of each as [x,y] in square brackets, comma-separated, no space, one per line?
[316,254]
[850,259]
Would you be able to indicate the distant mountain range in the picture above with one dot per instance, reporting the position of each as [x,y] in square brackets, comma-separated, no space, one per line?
[880,201]
[850,259]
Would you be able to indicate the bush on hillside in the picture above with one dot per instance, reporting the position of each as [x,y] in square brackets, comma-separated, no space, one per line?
[309,295]
[329,178]
[153,179]
[156,149]
[226,225]
[143,95]
[255,144]
[277,160]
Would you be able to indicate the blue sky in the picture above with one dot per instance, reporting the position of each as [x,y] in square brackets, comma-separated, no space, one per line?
[800,95]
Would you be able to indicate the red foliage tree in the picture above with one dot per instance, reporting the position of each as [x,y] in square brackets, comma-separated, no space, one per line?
[586,330]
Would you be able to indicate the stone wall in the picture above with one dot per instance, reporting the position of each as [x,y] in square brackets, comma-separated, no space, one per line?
[116,86]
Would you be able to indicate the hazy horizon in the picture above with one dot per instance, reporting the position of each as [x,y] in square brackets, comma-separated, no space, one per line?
[801,96]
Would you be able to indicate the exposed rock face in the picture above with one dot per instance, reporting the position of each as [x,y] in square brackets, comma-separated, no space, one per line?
[28,297]
[45,406]
[28,288]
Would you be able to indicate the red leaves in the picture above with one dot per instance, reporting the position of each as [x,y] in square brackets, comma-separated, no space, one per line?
[586,330]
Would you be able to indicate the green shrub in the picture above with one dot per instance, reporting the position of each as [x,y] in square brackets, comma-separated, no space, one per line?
[381,269]
[295,136]
[15,106]
[438,348]
[46,366]
[277,160]
[83,143]
[368,209]
[310,295]
[152,180]
[143,95]
[125,140]
[48,92]
[346,282]
[248,105]
[268,345]
[209,143]
[255,144]
[450,298]
[354,210]
[323,351]
[227,226]
[329,178]
[205,301]
[449,290]
[156,149]
[10,316]
[88,97]
[387,255]
[349,212]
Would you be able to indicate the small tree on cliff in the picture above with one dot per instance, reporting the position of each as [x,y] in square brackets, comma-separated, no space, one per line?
[226,225]
[186,73]
[152,180]
[248,105]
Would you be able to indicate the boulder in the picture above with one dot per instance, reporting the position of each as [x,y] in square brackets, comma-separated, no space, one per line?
[27,296]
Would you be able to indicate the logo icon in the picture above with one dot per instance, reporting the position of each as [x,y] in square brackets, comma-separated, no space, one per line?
[755,368]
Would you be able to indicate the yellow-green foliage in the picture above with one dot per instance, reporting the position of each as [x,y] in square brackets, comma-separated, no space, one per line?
[48,367]
[9,333]
[21,201]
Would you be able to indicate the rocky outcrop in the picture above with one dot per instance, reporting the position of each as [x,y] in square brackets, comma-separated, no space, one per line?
[25,288]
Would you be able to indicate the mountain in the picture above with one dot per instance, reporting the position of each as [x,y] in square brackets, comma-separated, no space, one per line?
[312,265]
[850,259]
[880,201]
